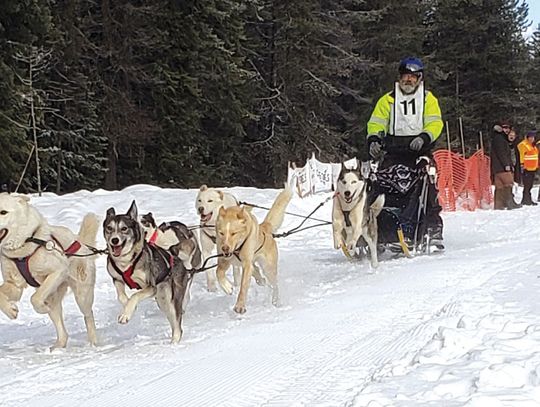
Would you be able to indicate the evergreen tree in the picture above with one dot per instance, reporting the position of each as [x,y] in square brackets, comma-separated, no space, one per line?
[304,59]
[74,150]
[22,25]
[203,101]
[534,84]
[478,59]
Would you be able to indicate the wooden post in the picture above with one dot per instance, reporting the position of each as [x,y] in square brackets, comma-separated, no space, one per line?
[33,117]
[461,135]
[25,168]
[448,137]
[481,141]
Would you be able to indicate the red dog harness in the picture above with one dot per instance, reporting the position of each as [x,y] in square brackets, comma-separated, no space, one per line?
[128,273]
[153,238]
[23,265]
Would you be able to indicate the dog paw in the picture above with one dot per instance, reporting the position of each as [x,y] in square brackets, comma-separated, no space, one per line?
[260,281]
[226,286]
[176,338]
[239,309]
[59,344]
[12,312]
[211,288]
[123,318]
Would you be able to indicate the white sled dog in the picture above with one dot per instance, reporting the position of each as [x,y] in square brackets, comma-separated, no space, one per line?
[34,253]
[208,203]
[352,216]
[241,240]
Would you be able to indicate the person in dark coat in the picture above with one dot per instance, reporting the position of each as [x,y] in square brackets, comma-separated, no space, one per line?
[514,152]
[502,170]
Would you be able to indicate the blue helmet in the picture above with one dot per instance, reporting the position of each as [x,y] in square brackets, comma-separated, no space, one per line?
[411,65]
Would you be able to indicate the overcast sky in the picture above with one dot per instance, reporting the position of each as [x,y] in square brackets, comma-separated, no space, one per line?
[534,14]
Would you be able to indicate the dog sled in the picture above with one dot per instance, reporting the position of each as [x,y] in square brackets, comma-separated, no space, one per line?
[405,223]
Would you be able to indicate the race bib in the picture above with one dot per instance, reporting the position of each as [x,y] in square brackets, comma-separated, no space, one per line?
[407,116]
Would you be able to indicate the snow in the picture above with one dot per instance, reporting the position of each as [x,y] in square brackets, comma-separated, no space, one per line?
[455,329]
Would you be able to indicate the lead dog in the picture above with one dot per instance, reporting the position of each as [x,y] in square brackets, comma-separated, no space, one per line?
[208,203]
[34,253]
[149,269]
[352,216]
[242,241]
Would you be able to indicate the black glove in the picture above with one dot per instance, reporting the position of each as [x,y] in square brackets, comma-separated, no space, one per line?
[374,147]
[419,142]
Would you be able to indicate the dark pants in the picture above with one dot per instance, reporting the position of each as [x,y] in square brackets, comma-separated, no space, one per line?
[528,180]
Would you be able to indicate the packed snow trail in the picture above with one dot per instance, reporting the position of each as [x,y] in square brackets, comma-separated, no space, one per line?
[344,335]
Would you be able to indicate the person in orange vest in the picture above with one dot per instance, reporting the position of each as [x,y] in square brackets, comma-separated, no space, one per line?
[528,159]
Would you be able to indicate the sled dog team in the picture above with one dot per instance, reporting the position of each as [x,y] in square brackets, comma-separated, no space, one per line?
[159,262]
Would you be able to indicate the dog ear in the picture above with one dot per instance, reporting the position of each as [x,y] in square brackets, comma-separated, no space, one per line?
[111,212]
[343,171]
[221,195]
[243,213]
[203,187]
[23,199]
[222,211]
[132,212]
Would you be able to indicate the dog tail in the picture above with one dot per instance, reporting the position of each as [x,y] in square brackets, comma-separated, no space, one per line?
[377,206]
[277,211]
[88,230]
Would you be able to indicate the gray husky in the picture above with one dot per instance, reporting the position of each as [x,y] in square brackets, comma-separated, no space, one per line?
[353,216]
[147,268]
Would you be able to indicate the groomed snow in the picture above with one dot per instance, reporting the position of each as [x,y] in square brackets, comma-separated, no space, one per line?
[453,329]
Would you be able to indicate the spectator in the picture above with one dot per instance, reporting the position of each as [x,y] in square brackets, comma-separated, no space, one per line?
[512,139]
[501,167]
[528,160]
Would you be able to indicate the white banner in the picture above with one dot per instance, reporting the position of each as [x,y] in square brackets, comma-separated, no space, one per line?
[316,177]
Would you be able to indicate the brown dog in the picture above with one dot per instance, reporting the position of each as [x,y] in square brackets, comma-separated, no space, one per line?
[241,240]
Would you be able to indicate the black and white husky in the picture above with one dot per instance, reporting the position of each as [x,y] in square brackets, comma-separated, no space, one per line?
[147,268]
[353,216]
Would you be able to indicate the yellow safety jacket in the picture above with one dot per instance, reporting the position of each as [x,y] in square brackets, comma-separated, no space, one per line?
[381,116]
[528,155]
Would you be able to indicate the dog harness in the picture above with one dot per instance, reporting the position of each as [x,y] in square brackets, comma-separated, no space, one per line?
[237,251]
[347,214]
[153,238]
[128,273]
[23,263]
[212,238]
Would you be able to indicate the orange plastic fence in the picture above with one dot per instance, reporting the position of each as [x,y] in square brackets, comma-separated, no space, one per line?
[464,183]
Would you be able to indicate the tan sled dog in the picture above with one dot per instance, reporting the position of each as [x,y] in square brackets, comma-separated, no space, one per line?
[34,253]
[243,241]
[208,203]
